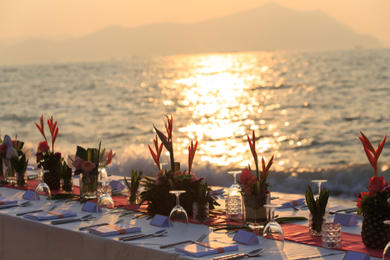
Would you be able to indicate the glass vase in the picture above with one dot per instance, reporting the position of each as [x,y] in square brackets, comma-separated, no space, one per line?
[201,212]
[315,223]
[133,199]
[88,185]
[254,211]
[67,185]
[21,179]
[8,171]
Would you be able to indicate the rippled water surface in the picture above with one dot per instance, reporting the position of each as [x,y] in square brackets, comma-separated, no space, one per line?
[306,108]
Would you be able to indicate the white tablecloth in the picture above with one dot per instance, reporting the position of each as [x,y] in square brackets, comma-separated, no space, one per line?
[21,238]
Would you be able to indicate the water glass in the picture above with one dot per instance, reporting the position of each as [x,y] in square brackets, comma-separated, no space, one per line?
[331,235]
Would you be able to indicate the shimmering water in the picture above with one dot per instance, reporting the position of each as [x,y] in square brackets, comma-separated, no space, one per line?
[306,108]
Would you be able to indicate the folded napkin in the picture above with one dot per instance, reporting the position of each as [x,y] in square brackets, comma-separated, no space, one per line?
[203,249]
[54,214]
[110,230]
[289,201]
[6,200]
[217,191]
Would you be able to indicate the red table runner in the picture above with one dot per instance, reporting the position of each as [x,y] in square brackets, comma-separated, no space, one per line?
[292,232]
[349,242]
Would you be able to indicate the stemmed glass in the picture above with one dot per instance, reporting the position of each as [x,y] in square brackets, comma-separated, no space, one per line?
[319,182]
[105,199]
[178,217]
[42,187]
[386,251]
[273,236]
[234,200]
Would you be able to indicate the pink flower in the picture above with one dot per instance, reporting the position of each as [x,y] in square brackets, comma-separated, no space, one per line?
[178,173]
[88,166]
[77,163]
[377,184]
[159,178]
[3,147]
[43,146]
[246,175]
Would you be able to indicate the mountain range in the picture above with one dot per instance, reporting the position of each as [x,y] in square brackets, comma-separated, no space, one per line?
[269,27]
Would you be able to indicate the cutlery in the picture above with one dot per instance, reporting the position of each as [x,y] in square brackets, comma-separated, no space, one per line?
[23,204]
[156,234]
[344,210]
[63,221]
[101,224]
[253,253]
[185,242]
[35,211]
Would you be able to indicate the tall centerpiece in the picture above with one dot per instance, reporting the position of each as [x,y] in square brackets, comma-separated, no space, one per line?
[374,204]
[9,149]
[156,193]
[47,159]
[255,188]
[88,163]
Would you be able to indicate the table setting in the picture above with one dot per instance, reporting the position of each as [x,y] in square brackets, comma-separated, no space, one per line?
[177,214]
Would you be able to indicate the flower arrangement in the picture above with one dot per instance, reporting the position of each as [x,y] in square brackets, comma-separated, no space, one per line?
[378,190]
[317,210]
[11,157]
[255,184]
[160,201]
[374,204]
[88,162]
[48,159]
[91,160]
[10,148]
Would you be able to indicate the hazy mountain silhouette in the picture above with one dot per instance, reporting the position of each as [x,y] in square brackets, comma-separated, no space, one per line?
[266,28]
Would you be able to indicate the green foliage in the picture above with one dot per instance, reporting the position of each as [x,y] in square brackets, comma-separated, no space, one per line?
[19,164]
[160,201]
[378,203]
[65,171]
[317,206]
[203,193]
[134,185]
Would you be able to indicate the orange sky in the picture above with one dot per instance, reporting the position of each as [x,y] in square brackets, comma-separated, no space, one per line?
[53,18]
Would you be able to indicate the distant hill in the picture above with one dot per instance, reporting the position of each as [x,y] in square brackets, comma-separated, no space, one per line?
[269,27]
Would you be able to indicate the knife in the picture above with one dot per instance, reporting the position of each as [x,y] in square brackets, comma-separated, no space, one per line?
[97,225]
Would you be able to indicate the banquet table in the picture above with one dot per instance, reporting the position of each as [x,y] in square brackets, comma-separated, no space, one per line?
[21,238]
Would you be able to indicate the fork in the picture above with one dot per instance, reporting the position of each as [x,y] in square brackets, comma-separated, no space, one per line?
[202,237]
[101,224]
[35,211]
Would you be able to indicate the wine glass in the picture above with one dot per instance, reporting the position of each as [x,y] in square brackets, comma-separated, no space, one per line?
[319,182]
[178,217]
[273,236]
[104,196]
[386,251]
[233,202]
[42,187]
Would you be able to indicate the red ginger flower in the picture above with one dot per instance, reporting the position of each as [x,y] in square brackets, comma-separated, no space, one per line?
[191,155]
[156,155]
[372,154]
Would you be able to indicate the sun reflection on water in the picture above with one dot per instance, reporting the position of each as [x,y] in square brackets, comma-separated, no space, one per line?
[227,96]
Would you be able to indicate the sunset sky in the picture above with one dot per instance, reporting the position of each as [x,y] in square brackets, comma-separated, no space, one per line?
[73,18]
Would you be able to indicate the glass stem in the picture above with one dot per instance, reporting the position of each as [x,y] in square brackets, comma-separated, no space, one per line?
[235,178]
[177,199]
[272,214]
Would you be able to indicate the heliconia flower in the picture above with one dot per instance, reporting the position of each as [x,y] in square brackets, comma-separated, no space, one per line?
[53,131]
[191,155]
[41,128]
[252,145]
[156,156]
[167,140]
[266,169]
[372,154]
[109,158]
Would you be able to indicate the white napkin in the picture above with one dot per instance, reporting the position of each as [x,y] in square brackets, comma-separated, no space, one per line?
[55,214]
[6,200]
[289,201]
[210,248]
[110,230]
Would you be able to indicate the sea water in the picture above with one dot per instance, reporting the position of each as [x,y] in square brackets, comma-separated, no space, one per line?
[306,109]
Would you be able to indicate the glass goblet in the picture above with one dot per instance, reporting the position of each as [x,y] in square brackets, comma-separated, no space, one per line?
[273,236]
[42,187]
[386,251]
[319,182]
[178,218]
[233,203]
[105,199]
